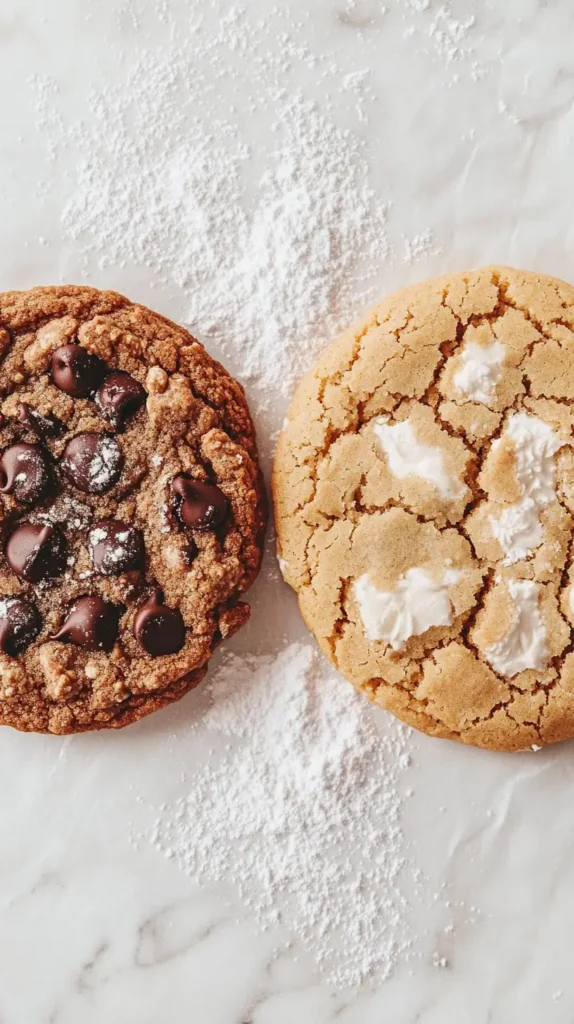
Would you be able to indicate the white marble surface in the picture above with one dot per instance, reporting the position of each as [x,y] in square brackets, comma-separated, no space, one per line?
[466,132]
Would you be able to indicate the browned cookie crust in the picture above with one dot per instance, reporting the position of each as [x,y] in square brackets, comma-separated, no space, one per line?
[424,496]
[119,517]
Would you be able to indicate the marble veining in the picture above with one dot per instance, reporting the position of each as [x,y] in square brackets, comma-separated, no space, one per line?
[462,114]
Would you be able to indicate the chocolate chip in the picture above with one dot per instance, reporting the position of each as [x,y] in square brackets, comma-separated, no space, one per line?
[120,396]
[25,472]
[91,623]
[20,623]
[159,629]
[116,547]
[92,462]
[76,371]
[198,505]
[37,552]
[43,426]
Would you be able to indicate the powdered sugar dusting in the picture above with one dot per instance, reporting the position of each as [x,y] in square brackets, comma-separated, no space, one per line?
[444,36]
[465,160]
[65,508]
[270,253]
[302,813]
[104,463]
[262,281]
[265,255]
[269,278]
[122,548]
[19,615]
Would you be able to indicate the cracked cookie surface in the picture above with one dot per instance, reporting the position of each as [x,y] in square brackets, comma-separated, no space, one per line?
[131,507]
[424,501]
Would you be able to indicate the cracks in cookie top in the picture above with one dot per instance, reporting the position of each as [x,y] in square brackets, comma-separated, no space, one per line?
[87,372]
[325,478]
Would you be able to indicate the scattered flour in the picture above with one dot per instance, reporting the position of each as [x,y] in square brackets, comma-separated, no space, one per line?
[302,812]
[270,253]
[265,253]
[444,36]
[257,275]
[421,247]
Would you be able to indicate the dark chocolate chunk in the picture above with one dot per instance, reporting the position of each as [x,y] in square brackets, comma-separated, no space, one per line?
[198,505]
[76,371]
[20,623]
[120,396]
[37,552]
[43,426]
[116,547]
[159,629]
[91,623]
[25,472]
[92,462]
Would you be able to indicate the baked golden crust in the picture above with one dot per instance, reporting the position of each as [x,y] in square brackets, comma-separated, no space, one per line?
[464,367]
[195,421]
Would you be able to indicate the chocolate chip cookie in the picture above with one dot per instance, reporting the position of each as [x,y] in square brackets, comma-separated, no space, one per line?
[131,506]
[424,488]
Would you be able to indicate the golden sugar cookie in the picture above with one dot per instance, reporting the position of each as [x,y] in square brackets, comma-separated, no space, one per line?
[424,491]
